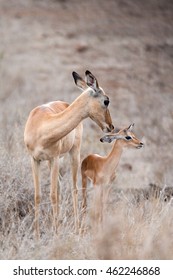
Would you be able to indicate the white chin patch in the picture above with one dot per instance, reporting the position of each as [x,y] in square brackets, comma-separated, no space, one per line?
[106,130]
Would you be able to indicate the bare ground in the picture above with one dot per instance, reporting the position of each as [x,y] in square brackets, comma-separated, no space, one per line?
[128,45]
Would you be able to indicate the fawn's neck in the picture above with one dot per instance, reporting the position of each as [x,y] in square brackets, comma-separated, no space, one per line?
[114,156]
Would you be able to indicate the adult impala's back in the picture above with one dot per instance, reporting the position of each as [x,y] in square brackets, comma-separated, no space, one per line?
[55,128]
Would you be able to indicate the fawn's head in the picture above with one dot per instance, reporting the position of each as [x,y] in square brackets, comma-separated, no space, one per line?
[126,136]
[96,101]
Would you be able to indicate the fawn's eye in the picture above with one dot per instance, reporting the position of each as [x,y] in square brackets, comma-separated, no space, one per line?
[128,138]
[106,102]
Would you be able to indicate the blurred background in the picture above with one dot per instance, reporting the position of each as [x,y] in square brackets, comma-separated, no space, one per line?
[126,44]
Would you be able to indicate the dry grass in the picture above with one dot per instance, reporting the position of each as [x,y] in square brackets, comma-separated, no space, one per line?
[138,225]
[129,47]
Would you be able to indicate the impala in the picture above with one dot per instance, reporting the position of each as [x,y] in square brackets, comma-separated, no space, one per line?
[55,128]
[101,170]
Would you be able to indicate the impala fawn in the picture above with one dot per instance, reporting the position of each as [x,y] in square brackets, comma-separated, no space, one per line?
[101,170]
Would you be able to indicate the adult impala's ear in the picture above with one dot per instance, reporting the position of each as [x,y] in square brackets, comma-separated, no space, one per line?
[91,81]
[79,81]
[111,137]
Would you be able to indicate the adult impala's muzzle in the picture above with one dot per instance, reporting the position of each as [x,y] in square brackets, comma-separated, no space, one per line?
[108,128]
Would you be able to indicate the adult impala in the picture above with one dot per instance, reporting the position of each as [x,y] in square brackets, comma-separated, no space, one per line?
[55,128]
[101,170]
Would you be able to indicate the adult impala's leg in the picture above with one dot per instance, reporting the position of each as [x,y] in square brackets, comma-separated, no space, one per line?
[75,161]
[54,192]
[36,174]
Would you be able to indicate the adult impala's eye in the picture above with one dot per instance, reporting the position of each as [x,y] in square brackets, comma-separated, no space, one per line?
[128,138]
[106,102]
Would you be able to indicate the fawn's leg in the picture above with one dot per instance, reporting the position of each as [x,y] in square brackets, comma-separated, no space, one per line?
[84,201]
[105,198]
[97,207]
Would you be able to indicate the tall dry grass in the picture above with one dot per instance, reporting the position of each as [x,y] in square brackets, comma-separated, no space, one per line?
[138,223]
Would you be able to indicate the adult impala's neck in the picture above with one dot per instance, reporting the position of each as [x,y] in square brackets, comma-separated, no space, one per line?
[114,156]
[59,125]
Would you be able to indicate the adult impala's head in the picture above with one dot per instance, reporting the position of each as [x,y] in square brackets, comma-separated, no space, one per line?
[96,101]
[126,136]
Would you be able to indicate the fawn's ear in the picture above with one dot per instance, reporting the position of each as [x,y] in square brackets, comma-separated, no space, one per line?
[111,137]
[79,81]
[91,81]
[130,128]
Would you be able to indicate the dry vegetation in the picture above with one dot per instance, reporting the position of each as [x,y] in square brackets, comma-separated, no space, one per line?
[128,45]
